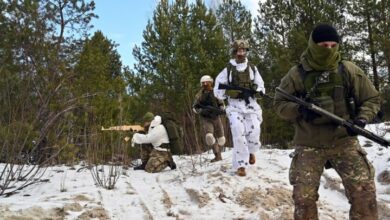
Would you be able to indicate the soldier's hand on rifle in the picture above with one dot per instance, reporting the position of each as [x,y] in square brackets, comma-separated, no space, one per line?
[245,96]
[307,114]
[359,122]
[260,94]
[195,110]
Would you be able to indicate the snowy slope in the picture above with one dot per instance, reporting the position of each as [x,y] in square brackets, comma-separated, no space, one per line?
[196,190]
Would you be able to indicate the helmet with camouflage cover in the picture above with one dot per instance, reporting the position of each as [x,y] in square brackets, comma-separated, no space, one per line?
[148,117]
[240,44]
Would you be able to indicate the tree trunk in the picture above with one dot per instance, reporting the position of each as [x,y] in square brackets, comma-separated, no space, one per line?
[372,50]
[388,70]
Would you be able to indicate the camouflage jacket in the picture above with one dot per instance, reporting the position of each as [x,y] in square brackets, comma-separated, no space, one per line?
[366,97]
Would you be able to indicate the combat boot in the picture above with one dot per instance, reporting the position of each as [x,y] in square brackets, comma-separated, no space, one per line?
[241,171]
[172,164]
[218,157]
[252,159]
[141,167]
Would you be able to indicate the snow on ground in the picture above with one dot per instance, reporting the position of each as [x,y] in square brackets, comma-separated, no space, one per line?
[197,189]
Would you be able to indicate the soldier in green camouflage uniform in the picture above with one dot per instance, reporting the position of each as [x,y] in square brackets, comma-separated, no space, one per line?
[319,142]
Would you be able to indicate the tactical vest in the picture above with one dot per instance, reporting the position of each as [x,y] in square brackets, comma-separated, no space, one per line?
[241,79]
[207,98]
[329,90]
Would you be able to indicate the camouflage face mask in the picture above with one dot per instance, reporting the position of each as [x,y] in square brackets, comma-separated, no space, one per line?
[321,58]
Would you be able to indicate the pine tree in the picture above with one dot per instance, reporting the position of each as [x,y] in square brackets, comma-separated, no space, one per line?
[38,64]
[235,19]
[382,36]
[366,29]
[281,32]
[99,75]
[181,43]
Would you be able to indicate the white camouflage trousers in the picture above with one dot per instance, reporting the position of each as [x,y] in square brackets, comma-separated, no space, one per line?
[245,128]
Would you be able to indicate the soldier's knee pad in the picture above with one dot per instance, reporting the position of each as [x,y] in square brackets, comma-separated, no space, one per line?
[210,140]
[221,141]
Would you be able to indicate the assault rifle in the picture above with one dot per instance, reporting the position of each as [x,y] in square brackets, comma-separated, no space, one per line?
[338,120]
[246,93]
[213,111]
[131,128]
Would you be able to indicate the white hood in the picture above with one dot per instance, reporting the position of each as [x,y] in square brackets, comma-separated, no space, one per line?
[156,136]
[156,121]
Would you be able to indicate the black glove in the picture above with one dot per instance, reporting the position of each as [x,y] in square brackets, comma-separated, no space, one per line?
[261,93]
[307,114]
[359,122]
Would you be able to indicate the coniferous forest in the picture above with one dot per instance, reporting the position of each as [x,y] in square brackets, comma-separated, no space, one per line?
[60,83]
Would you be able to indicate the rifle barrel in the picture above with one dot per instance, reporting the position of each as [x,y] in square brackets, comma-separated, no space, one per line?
[338,120]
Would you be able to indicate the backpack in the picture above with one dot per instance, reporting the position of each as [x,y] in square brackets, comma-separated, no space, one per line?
[175,133]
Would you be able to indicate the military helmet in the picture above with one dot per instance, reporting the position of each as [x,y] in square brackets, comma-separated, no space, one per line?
[240,44]
[148,117]
[206,78]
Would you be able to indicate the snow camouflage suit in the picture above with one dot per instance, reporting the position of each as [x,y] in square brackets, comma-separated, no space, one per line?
[211,124]
[318,143]
[245,119]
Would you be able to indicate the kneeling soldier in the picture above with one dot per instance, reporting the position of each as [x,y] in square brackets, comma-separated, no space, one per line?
[154,145]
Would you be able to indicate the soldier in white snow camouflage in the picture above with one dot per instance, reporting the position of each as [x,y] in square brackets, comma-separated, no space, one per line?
[244,113]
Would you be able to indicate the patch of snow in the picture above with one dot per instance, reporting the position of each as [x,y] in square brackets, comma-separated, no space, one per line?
[197,189]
